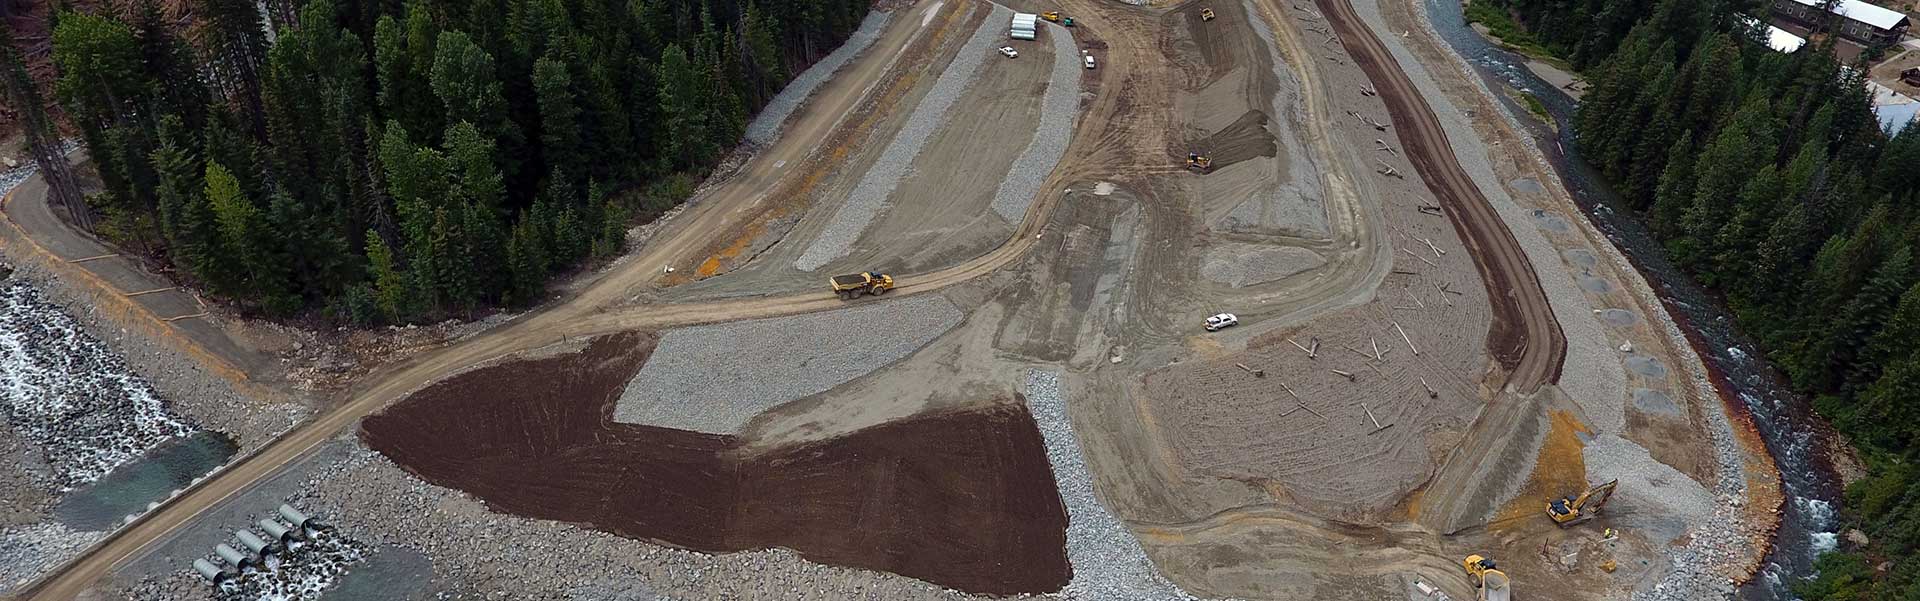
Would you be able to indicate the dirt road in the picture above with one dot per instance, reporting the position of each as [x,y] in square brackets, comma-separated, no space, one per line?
[166,312]
[1525,339]
[718,210]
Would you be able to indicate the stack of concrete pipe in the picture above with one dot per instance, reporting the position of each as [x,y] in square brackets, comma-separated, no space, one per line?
[1026,26]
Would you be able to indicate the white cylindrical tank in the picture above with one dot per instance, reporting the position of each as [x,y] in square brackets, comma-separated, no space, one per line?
[1022,35]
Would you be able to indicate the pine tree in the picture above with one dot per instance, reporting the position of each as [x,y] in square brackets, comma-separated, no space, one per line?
[390,285]
[526,262]
[559,117]
[235,37]
[684,108]
[464,80]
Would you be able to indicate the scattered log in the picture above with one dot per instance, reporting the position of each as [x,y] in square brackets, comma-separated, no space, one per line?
[1403,336]
[1431,393]
[1417,256]
[1436,249]
[1343,374]
[1258,373]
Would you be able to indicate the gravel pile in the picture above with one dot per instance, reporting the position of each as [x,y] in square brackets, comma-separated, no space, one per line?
[1245,265]
[715,378]
[1050,136]
[77,401]
[869,197]
[774,115]
[1108,562]
[1610,457]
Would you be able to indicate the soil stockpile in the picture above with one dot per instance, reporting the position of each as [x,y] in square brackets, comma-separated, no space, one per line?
[961,499]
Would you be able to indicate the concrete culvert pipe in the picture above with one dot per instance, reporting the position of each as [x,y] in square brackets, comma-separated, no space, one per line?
[298,520]
[278,531]
[254,543]
[209,571]
[232,556]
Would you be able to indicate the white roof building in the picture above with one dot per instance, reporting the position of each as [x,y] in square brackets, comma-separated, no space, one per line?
[1883,18]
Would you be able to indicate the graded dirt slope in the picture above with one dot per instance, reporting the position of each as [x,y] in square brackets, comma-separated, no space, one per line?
[1525,339]
[963,499]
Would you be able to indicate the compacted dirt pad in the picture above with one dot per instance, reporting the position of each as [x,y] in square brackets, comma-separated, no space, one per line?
[963,499]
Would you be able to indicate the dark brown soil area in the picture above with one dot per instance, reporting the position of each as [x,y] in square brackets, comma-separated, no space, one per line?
[962,499]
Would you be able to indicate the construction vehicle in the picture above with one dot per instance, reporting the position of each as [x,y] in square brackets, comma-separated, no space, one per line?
[1054,16]
[1488,579]
[850,287]
[1199,163]
[1911,76]
[1574,510]
[1206,14]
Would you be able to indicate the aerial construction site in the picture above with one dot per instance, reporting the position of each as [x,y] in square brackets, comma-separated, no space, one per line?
[941,330]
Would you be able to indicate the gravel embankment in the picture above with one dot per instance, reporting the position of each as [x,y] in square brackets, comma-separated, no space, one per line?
[774,115]
[1722,538]
[869,197]
[1050,136]
[715,378]
[1108,562]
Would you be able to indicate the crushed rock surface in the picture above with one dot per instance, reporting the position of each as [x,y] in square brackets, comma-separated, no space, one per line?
[1050,136]
[715,378]
[1108,562]
[869,198]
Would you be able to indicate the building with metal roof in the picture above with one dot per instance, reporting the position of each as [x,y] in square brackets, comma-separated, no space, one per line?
[1860,21]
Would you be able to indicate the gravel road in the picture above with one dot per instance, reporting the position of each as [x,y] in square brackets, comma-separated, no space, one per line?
[869,197]
[1108,562]
[715,378]
[1050,137]
[774,115]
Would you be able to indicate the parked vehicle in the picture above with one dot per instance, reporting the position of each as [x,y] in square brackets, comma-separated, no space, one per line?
[1222,321]
[1009,52]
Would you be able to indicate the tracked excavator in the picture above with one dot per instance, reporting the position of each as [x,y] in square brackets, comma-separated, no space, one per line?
[1574,510]
[1199,163]
[1487,578]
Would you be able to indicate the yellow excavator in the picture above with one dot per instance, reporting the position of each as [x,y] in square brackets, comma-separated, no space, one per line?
[1574,510]
[1488,579]
[1054,16]
[1199,163]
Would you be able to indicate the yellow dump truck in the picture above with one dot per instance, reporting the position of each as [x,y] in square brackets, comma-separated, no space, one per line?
[1491,583]
[850,287]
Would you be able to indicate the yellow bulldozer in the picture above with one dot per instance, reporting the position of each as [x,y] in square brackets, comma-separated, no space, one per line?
[1199,163]
[1054,16]
[1574,510]
[851,286]
[1487,578]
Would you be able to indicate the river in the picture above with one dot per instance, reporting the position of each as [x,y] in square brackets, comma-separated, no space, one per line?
[1784,419]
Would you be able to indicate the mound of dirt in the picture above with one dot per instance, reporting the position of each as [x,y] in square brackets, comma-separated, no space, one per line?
[962,499]
[1245,139]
